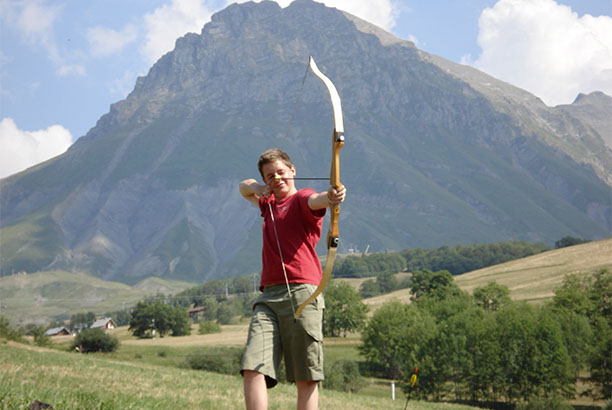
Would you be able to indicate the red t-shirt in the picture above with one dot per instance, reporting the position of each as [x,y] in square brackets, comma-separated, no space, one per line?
[299,230]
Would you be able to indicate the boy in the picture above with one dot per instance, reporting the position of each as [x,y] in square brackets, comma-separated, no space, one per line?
[291,271]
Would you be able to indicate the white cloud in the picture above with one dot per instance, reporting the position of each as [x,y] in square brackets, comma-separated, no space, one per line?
[169,22]
[35,22]
[36,18]
[546,48]
[415,40]
[382,13]
[105,41]
[121,86]
[22,149]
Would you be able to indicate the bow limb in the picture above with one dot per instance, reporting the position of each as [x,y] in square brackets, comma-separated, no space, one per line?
[333,237]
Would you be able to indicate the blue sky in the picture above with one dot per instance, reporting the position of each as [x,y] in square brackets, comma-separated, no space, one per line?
[63,62]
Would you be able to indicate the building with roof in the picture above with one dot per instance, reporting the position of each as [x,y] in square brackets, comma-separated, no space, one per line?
[106,323]
[58,331]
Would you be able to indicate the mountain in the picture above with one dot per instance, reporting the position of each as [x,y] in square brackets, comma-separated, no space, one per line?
[593,110]
[436,153]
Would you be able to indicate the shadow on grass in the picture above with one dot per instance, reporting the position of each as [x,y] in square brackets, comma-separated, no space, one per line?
[496,405]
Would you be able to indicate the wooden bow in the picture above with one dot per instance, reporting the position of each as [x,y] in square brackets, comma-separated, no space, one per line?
[333,237]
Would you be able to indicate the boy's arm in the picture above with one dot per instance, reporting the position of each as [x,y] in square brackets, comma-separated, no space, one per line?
[251,190]
[327,198]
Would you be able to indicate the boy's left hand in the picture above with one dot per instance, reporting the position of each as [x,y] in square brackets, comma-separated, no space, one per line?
[336,196]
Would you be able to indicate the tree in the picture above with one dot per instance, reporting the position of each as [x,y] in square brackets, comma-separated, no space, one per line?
[461,258]
[369,288]
[344,311]
[6,331]
[82,321]
[533,354]
[393,337]
[588,298]
[492,296]
[387,282]
[40,338]
[573,295]
[228,310]
[600,360]
[436,285]
[352,266]
[179,321]
[210,308]
[160,317]
[577,334]
[95,340]
[569,241]
[600,293]
[460,358]
[241,285]
[121,317]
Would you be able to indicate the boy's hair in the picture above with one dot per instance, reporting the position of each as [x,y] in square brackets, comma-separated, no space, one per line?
[271,155]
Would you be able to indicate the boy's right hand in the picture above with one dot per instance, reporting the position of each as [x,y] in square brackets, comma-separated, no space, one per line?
[251,190]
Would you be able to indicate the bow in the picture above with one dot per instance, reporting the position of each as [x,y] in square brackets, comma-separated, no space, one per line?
[334,180]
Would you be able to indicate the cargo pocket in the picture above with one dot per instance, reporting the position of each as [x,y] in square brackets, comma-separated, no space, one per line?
[311,321]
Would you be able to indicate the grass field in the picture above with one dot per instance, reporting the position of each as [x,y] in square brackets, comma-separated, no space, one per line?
[104,381]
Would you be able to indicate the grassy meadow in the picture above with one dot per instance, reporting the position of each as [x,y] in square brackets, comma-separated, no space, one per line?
[149,373]
[139,377]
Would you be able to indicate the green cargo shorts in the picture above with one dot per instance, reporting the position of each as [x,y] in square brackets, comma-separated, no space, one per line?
[275,334]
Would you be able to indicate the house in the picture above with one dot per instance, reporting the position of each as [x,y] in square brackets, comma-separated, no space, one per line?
[197,311]
[106,323]
[58,331]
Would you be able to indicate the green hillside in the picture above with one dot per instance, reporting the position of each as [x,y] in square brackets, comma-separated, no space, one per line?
[533,278]
[41,296]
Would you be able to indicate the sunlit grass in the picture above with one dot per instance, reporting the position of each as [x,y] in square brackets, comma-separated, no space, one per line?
[69,380]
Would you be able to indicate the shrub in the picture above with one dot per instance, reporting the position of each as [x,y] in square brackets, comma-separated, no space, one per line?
[95,340]
[343,375]
[208,326]
[40,338]
[218,360]
[6,331]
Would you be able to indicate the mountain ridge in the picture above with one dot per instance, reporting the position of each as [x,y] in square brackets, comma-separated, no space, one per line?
[151,189]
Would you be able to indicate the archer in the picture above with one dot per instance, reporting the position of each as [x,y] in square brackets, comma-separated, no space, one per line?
[290,271]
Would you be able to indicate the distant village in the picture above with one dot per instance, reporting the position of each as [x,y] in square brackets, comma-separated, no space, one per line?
[104,324]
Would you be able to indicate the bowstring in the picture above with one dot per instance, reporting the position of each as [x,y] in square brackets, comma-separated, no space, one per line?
[280,253]
[295,105]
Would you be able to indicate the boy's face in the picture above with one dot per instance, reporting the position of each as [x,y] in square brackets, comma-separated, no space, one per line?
[279,178]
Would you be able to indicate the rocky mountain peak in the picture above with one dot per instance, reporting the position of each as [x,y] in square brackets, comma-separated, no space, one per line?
[445,153]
